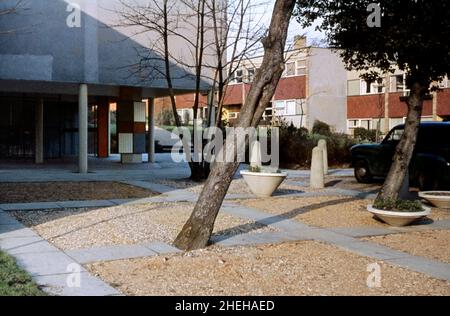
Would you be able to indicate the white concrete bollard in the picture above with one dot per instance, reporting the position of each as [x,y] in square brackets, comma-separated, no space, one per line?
[317,180]
[255,155]
[324,147]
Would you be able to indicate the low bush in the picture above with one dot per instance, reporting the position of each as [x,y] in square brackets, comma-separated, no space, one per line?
[321,128]
[296,145]
[398,205]
[365,135]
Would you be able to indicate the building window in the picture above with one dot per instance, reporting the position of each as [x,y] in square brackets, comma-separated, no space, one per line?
[233,115]
[372,87]
[443,83]
[366,124]
[237,76]
[290,69]
[353,124]
[398,83]
[353,87]
[251,74]
[280,108]
[301,67]
[291,108]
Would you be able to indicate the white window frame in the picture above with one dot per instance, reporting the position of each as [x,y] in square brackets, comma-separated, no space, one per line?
[287,112]
[286,75]
[277,108]
[303,67]
[373,88]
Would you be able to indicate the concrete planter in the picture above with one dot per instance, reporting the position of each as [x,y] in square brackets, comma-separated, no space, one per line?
[263,184]
[440,199]
[398,219]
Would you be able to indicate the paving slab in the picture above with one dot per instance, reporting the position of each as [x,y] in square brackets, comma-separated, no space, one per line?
[255,239]
[15,230]
[89,286]
[161,248]
[360,232]
[156,187]
[436,269]
[45,263]
[24,245]
[85,204]
[29,206]
[112,253]
[6,219]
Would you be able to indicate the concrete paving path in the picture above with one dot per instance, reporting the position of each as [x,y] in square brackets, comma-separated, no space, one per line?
[57,272]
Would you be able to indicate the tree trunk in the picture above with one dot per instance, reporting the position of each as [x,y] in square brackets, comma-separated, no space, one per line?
[405,148]
[198,229]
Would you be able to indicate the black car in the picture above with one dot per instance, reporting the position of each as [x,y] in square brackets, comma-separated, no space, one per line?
[430,165]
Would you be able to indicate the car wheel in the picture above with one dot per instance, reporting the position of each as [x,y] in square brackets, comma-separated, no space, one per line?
[362,172]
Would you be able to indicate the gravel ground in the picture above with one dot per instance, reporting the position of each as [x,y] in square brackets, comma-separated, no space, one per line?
[238,186]
[69,191]
[429,244]
[350,183]
[326,211]
[124,225]
[300,268]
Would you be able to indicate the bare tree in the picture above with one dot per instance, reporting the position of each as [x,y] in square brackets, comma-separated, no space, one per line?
[198,229]
[208,30]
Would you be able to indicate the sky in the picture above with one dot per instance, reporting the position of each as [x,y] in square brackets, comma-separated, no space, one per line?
[265,11]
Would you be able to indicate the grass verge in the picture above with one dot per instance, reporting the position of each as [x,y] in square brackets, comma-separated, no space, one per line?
[14,281]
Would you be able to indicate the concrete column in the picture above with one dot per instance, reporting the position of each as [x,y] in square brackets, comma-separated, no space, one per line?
[83,129]
[151,130]
[39,132]
[255,155]
[324,147]
[317,180]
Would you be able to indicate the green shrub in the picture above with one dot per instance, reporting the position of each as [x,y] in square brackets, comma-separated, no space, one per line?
[254,169]
[321,128]
[296,145]
[398,205]
[365,135]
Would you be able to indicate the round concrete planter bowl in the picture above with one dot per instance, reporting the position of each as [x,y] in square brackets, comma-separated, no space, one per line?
[398,219]
[263,184]
[440,199]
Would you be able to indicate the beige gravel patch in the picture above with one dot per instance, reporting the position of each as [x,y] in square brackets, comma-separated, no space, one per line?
[124,225]
[300,268]
[326,211]
[237,186]
[69,191]
[429,244]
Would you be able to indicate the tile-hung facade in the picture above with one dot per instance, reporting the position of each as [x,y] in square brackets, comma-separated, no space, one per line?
[377,105]
[67,87]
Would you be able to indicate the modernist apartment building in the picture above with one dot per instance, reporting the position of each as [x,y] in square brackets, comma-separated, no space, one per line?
[377,105]
[313,87]
[64,69]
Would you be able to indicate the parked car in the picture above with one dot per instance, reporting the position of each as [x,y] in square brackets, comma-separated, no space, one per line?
[430,165]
